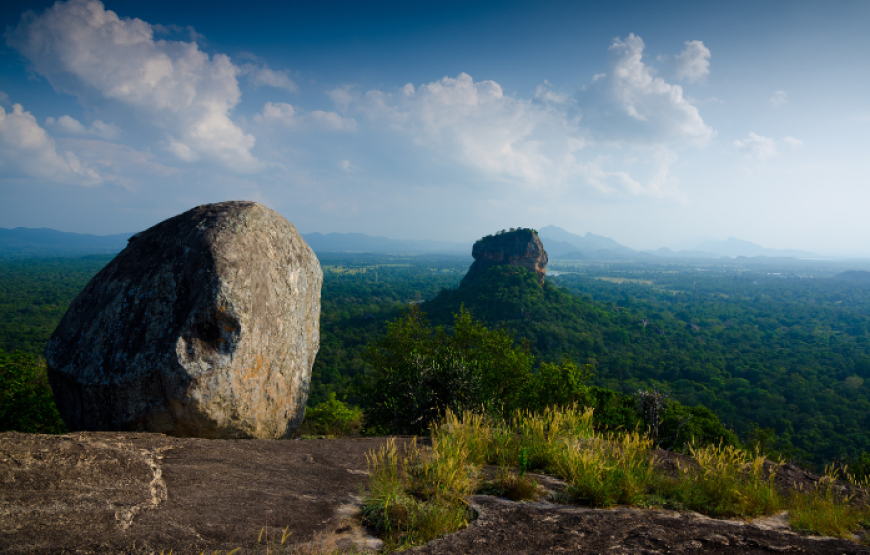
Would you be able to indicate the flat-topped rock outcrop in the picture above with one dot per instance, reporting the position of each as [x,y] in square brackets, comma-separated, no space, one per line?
[206,325]
[520,247]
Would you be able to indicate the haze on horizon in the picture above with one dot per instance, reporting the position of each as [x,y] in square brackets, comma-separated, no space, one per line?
[657,124]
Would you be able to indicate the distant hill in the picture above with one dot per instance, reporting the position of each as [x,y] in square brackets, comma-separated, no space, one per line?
[24,241]
[738,247]
[360,242]
[559,242]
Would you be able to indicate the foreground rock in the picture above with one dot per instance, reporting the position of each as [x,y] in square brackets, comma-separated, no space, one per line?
[520,248]
[143,493]
[505,527]
[206,325]
[90,493]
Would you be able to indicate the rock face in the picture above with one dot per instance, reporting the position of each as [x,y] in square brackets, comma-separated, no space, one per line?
[206,325]
[515,248]
[139,493]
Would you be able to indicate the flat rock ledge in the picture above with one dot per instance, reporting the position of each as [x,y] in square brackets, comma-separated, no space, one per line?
[505,527]
[121,492]
[138,493]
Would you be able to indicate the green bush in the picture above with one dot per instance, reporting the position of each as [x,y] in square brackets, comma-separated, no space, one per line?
[26,401]
[332,418]
[421,372]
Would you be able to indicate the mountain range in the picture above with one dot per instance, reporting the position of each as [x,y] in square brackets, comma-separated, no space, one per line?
[559,243]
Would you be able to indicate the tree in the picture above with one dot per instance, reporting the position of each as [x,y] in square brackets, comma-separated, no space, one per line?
[26,401]
[419,372]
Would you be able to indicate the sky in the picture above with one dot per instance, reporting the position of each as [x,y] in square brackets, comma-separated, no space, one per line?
[655,123]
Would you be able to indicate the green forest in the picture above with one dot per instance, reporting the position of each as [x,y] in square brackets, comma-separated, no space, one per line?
[778,351]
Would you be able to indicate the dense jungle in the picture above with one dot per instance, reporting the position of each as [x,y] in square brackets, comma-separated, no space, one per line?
[778,350]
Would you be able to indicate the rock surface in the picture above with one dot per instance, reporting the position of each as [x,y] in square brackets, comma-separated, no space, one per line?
[123,492]
[505,527]
[520,248]
[206,325]
[114,492]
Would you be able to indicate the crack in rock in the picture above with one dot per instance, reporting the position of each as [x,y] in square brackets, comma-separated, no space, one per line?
[157,489]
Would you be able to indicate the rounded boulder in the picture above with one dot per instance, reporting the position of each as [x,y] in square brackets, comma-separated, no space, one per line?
[205,325]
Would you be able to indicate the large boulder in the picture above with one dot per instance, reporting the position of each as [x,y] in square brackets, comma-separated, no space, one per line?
[520,247]
[206,325]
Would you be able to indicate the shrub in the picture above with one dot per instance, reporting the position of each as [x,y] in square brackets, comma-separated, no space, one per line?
[724,481]
[826,510]
[332,418]
[420,372]
[26,401]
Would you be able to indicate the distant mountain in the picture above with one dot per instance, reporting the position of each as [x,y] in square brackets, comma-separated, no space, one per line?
[738,247]
[360,242]
[559,242]
[43,241]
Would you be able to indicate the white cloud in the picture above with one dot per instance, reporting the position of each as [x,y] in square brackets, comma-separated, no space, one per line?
[792,142]
[475,123]
[288,115]
[331,120]
[537,143]
[544,92]
[28,151]
[632,105]
[693,63]
[263,76]
[779,98]
[86,50]
[756,146]
[70,126]
[345,165]
[4,99]
[277,111]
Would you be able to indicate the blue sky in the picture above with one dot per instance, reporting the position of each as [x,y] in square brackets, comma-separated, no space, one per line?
[656,123]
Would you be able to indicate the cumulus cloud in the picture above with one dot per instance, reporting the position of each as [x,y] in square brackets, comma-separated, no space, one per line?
[68,125]
[262,76]
[474,122]
[545,93]
[756,146]
[792,142]
[630,104]
[693,63]
[287,115]
[28,151]
[779,98]
[86,50]
[537,143]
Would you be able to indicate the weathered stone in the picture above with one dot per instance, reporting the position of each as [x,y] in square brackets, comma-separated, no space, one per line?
[520,248]
[206,325]
[140,493]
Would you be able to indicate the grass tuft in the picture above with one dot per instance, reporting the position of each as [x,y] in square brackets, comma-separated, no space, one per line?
[724,481]
[422,494]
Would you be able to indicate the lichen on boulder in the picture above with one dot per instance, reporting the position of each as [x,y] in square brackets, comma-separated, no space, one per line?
[206,325]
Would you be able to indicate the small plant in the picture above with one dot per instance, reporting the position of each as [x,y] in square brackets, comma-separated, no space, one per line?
[516,487]
[828,509]
[420,497]
[725,481]
[332,418]
[605,471]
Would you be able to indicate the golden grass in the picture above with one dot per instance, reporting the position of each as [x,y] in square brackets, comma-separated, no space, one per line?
[421,494]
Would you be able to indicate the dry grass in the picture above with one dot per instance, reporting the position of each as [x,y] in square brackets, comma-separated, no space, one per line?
[421,494]
[724,481]
[829,510]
